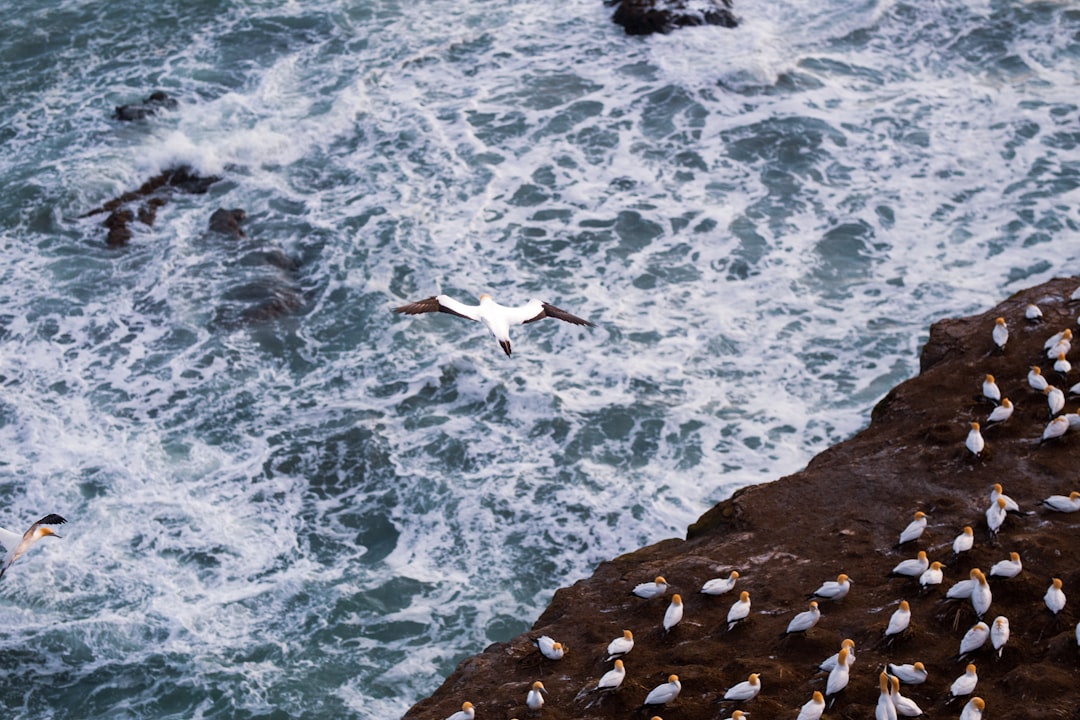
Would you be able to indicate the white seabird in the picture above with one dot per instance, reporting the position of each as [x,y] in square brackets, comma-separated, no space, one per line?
[620,645]
[885,709]
[974,441]
[15,545]
[838,677]
[973,710]
[804,620]
[497,318]
[467,712]
[1007,568]
[962,590]
[999,633]
[973,639]
[1063,336]
[673,614]
[965,684]
[1062,364]
[1063,503]
[914,528]
[739,611]
[746,690]
[833,589]
[1056,428]
[913,567]
[904,705]
[964,541]
[900,620]
[1036,380]
[535,698]
[990,388]
[719,586]
[1000,333]
[932,575]
[1002,412]
[1032,312]
[981,597]
[549,648]
[1055,399]
[996,491]
[1055,596]
[652,589]
[910,673]
[814,707]
[995,516]
[613,678]
[664,692]
[830,662]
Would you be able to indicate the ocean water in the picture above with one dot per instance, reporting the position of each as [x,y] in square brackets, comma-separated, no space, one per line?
[321,515]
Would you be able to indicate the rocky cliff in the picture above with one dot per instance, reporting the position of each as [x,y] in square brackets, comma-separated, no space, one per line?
[844,514]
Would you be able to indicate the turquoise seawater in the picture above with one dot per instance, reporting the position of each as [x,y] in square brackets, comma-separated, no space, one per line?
[320,515]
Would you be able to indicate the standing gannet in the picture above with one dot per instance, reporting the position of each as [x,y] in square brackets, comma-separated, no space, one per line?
[652,589]
[1002,412]
[962,589]
[974,441]
[833,589]
[996,491]
[746,690]
[535,698]
[1055,429]
[911,673]
[613,678]
[838,677]
[673,614]
[549,648]
[914,528]
[990,389]
[973,639]
[620,645]
[999,633]
[830,662]
[1055,399]
[1055,596]
[1036,380]
[995,516]
[814,707]
[1000,333]
[467,712]
[885,709]
[1007,568]
[973,710]
[981,597]
[719,586]
[913,567]
[932,575]
[15,545]
[664,693]
[1062,364]
[739,611]
[900,620]
[498,318]
[1032,312]
[964,541]
[804,620]
[904,705]
[1063,503]
[965,684]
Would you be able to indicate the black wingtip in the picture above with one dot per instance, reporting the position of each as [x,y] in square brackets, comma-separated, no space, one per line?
[505,345]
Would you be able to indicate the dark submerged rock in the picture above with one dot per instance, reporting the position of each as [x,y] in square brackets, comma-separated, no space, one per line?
[644,17]
[157,100]
[843,513]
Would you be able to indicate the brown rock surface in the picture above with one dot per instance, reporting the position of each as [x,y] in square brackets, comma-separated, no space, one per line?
[843,513]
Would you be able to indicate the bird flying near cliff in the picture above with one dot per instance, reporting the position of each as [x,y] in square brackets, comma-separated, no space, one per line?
[15,545]
[497,318]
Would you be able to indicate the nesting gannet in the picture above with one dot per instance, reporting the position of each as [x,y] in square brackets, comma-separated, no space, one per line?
[1055,399]
[745,690]
[990,388]
[974,441]
[932,575]
[719,586]
[15,545]
[965,684]
[674,612]
[830,662]
[739,611]
[964,541]
[900,620]
[738,715]
[885,709]
[973,639]
[905,706]
[914,528]
[999,633]
[498,318]
[838,677]
[833,589]
[613,678]
[1055,596]
[1002,412]
[910,673]
[804,620]
[1032,312]
[652,589]
[1007,568]
[996,491]
[1062,347]
[1062,364]
[962,589]
[981,597]
[1036,380]
[549,648]
[1056,428]
[995,516]
[535,698]
[664,692]
[814,707]
[467,712]
[620,645]
[973,710]
[1000,333]
[913,567]
[1063,503]
[1063,336]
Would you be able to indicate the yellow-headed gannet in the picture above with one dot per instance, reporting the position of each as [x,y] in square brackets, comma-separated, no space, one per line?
[674,612]
[909,673]
[995,515]
[613,678]
[913,567]
[905,706]
[739,611]
[804,620]
[990,388]
[996,491]
[498,318]
[620,645]
[981,597]
[664,692]
[1036,380]
[932,575]
[15,544]
[833,589]
[1007,568]
[830,662]
[1058,337]
[814,707]
[549,648]
[838,677]
[999,633]
[973,710]
[1055,596]
[885,709]
[1000,333]
[1056,428]
[962,589]
[965,684]
[900,620]
[1002,412]
[914,528]
[535,698]
[467,712]
[1055,399]
[964,541]
[973,639]
[652,589]
[745,690]
[1062,364]
[1063,503]
[719,586]
[974,441]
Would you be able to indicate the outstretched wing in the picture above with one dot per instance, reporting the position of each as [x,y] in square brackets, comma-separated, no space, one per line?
[50,519]
[440,303]
[548,310]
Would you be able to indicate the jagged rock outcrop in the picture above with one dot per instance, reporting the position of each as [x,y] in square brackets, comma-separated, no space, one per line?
[157,100]
[644,17]
[843,514]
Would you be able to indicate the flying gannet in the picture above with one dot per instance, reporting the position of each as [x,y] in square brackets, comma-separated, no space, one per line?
[16,545]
